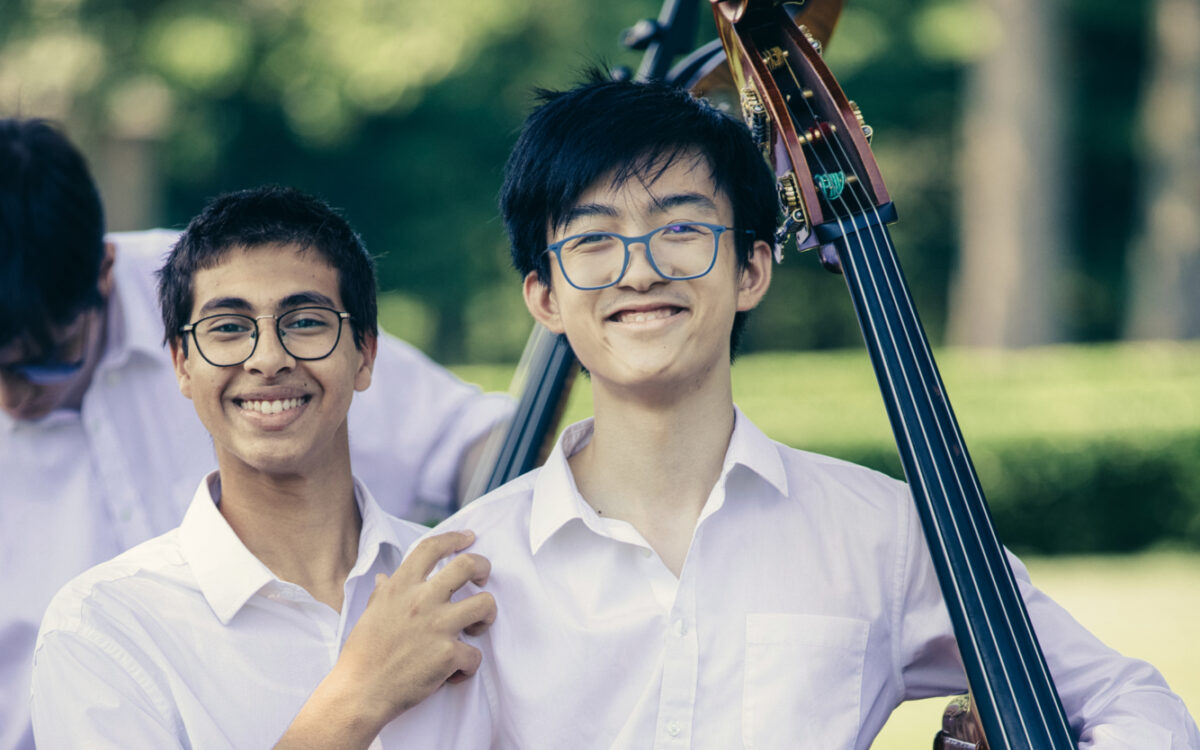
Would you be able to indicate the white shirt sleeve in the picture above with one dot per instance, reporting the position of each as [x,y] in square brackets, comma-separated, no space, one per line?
[1113,702]
[89,692]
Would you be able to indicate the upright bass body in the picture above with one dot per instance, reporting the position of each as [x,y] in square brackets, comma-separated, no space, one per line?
[836,202]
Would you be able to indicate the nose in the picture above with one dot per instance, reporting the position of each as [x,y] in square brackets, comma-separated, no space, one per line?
[640,273]
[269,357]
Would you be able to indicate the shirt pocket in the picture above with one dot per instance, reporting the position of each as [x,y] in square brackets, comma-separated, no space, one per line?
[803,681]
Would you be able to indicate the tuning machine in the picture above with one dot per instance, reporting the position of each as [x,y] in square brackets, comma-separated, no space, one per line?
[867,131]
[754,113]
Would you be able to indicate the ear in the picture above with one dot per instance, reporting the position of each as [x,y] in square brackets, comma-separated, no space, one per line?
[179,359]
[105,283]
[368,350]
[541,302]
[755,278]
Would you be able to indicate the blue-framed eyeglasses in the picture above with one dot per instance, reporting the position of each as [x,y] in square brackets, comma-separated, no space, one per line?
[229,339]
[677,251]
[45,373]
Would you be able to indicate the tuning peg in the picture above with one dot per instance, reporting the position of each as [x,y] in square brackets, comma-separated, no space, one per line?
[816,43]
[867,131]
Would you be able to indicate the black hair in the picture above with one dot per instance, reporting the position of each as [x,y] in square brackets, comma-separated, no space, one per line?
[51,232]
[265,216]
[624,130]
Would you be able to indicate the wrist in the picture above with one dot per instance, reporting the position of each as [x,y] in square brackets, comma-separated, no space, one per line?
[338,714]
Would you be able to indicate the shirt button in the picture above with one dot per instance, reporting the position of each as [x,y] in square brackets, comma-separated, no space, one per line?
[673,729]
[681,628]
[646,552]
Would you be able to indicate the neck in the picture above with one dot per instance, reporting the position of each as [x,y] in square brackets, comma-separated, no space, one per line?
[653,463]
[303,526]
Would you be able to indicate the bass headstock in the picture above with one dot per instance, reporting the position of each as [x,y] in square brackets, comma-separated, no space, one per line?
[813,136]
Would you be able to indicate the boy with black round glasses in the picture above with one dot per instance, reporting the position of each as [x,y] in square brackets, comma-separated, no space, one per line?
[284,609]
[98,451]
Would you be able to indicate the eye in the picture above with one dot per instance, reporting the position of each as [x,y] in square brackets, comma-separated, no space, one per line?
[591,242]
[227,326]
[307,321]
[684,231]
[683,228]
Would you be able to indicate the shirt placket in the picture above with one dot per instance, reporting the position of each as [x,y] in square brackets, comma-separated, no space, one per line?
[681,666]
[120,492]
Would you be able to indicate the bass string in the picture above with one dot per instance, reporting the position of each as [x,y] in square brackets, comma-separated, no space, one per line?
[1015,618]
[894,282]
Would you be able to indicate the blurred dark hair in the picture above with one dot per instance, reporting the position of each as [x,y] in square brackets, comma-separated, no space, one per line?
[622,130]
[264,216]
[51,232]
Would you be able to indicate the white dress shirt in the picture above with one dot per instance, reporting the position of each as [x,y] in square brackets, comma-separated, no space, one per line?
[806,610]
[189,641]
[78,487]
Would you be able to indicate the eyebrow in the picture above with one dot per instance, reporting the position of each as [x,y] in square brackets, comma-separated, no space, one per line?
[687,200]
[299,299]
[587,211]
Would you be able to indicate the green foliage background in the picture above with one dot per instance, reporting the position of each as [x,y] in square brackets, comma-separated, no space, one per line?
[402,112]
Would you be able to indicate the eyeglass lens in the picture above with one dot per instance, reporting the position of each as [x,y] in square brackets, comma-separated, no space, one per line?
[679,251]
[306,333]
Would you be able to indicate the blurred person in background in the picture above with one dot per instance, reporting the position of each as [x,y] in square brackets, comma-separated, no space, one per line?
[98,449]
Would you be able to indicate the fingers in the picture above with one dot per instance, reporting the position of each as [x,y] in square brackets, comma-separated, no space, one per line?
[421,559]
[472,615]
[467,660]
[465,567]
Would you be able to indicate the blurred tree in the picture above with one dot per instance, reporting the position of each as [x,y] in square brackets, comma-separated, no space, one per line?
[1008,286]
[1164,261]
[403,112]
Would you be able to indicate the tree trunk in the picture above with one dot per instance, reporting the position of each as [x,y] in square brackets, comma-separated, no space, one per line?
[1007,289]
[1164,259]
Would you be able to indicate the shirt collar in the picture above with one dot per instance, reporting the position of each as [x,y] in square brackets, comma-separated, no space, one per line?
[134,334]
[557,502]
[229,574]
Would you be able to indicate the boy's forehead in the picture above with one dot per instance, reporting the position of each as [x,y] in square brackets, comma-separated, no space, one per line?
[265,276]
[650,186]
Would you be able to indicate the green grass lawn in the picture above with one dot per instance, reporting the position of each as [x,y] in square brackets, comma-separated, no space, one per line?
[1144,606]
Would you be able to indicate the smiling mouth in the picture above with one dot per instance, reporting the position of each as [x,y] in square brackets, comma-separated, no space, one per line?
[644,316]
[276,406]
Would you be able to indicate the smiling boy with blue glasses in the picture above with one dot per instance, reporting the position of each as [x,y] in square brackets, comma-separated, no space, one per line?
[672,577]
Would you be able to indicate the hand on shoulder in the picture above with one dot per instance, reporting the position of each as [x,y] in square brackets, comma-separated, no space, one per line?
[404,647]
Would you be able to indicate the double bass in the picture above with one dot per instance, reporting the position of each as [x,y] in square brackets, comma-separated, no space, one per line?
[835,202]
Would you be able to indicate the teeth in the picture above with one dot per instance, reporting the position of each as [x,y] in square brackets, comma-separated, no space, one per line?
[642,317]
[272,407]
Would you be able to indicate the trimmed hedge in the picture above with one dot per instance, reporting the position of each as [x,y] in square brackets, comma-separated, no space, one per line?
[1085,495]
[1081,448]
